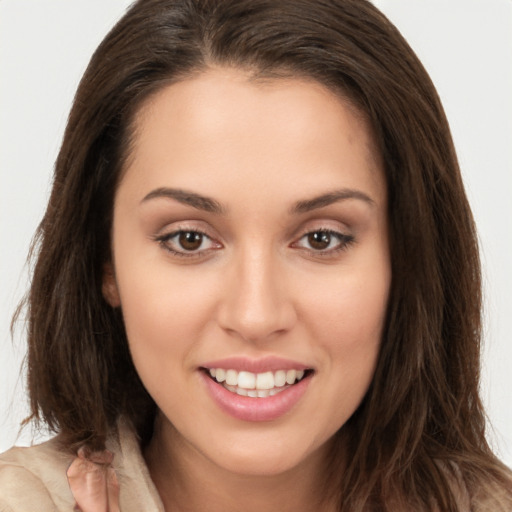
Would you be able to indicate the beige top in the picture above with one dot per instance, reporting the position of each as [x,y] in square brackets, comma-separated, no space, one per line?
[34,479]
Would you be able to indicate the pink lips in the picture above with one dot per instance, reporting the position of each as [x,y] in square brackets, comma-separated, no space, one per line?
[267,364]
[255,409]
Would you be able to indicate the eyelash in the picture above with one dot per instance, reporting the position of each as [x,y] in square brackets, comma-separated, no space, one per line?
[344,241]
[164,240]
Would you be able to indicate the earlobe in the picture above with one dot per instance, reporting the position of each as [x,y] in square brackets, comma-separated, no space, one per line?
[109,286]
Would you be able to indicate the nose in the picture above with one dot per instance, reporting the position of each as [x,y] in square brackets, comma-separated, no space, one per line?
[256,303]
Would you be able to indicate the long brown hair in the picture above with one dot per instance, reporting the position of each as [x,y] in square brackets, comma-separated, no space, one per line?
[419,434]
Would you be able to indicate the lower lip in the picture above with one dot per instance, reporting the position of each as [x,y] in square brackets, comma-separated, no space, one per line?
[256,409]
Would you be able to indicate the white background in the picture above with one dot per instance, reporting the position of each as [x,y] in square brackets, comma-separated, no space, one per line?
[466,45]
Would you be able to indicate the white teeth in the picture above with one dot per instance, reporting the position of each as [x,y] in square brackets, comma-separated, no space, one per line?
[255,385]
[232,377]
[265,380]
[247,380]
[291,375]
[280,378]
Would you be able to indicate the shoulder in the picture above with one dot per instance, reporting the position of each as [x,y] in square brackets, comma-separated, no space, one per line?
[34,478]
[480,491]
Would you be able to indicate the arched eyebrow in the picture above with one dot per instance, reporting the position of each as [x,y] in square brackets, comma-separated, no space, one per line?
[197,201]
[210,205]
[329,198]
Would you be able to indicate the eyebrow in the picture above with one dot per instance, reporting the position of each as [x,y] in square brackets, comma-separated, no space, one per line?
[197,201]
[329,198]
[210,205]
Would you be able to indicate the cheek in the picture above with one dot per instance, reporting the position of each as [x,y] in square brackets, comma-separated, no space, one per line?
[164,312]
[346,320]
[349,308]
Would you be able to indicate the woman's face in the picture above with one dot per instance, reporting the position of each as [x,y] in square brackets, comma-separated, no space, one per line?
[250,243]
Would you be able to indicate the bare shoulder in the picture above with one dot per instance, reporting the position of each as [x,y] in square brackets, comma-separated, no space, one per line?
[34,478]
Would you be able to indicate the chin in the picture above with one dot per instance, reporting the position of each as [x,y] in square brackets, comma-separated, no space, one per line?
[264,455]
[253,463]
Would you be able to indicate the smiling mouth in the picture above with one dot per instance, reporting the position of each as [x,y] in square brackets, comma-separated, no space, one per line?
[256,385]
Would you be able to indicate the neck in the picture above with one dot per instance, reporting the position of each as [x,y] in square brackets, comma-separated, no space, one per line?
[187,481]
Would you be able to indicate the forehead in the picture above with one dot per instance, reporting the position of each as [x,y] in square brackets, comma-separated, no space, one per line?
[223,122]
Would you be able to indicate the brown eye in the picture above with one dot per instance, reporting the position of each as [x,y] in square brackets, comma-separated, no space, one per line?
[319,240]
[188,243]
[324,242]
[190,240]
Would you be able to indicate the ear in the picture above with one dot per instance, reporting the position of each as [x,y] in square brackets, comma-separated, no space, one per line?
[109,286]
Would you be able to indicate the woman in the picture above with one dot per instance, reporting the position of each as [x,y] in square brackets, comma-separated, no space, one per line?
[257,281]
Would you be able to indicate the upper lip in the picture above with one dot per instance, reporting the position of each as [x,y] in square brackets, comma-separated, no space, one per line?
[265,364]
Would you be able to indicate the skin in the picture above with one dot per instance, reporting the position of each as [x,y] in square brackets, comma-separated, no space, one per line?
[256,286]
